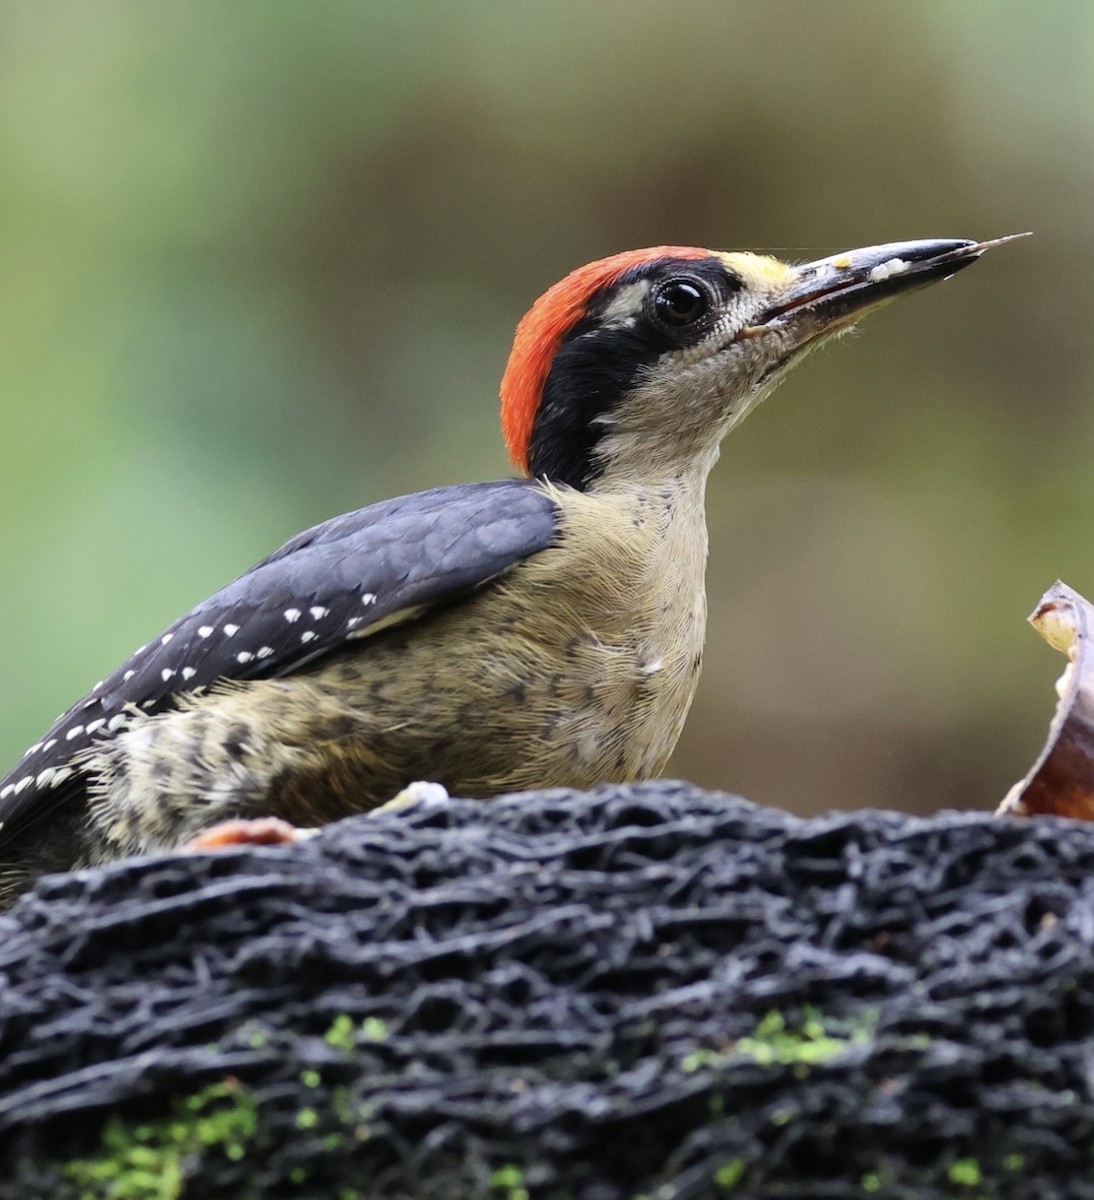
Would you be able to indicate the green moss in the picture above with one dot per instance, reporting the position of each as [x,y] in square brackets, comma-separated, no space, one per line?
[340,1034]
[966,1172]
[342,1105]
[344,1031]
[808,1045]
[151,1160]
[508,1181]
[774,1043]
[698,1059]
[871,1183]
[146,1161]
[374,1029]
[729,1174]
[1014,1162]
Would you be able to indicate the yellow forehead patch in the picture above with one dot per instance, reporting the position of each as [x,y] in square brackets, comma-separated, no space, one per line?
[760,272]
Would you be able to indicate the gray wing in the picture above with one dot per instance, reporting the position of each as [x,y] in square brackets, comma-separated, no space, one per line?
[336,582]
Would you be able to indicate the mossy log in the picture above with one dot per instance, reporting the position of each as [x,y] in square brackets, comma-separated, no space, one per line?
[648,991]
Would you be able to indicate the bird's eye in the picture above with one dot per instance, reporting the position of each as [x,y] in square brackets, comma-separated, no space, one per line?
[680,302]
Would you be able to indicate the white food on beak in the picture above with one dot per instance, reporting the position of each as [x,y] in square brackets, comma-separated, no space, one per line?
[885,270]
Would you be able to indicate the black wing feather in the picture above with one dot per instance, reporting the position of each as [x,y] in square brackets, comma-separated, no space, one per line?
[328,585]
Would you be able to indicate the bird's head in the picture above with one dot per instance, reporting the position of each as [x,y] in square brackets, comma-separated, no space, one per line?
[642,362]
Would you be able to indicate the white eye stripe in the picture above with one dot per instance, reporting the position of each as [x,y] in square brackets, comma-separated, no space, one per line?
[626,304]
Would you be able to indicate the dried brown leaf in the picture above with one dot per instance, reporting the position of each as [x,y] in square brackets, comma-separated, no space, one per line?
[1061,780]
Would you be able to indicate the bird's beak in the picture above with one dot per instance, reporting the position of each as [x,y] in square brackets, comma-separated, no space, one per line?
[829,295]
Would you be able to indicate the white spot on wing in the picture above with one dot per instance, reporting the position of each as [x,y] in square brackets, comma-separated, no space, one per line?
[166,638]
[229,630]
[74,732]
[128,676]
[166,674]
[23,784]
[205,631]
[188,672]
[6,791]
[308,636]
[93,725]
[318,612]
[292,614]
[264,652]
[368,598]
[244,656]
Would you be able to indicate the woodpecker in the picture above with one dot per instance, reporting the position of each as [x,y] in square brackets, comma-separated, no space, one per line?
[545,630]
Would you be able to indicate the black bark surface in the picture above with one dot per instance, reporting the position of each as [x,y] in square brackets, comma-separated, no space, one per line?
[641,991]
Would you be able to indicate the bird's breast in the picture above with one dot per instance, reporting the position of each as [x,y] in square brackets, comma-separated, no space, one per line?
[616,675]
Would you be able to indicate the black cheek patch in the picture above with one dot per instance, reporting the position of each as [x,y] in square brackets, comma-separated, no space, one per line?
[591,373]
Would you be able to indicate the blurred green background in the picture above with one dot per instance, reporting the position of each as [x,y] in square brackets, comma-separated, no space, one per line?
[262,262]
